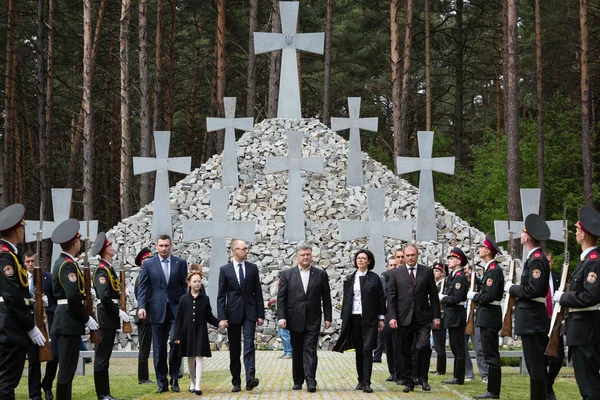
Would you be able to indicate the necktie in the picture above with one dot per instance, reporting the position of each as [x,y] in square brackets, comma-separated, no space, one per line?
[412,276]
[241,272]
[549,304]
[166,269]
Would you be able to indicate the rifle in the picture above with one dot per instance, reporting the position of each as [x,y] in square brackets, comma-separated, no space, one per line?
[510,300]
[559,312]
[126,325]
[471,305]
[41,319]
[87,278]
[442,286]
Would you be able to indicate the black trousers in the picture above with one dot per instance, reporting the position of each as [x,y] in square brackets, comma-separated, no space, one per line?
[378,352]
[234,332]
[417,335]
[534,347]
[364,354]
[144,341]
[439,345]
[389,335]
[104,350]
[456,337]
[304,356]
[586,363]
[68,354]
[35,384]
[161,334]
[51,366]
[555,363]
[489,344]
[12,361]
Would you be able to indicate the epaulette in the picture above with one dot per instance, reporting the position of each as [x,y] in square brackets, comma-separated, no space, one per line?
[5,248]
[537,254]
[102,264]
[69,259]
[594,255]
[492,266]
[457,274]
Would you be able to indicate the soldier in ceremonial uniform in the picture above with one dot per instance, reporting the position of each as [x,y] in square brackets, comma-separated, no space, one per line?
[439,335]
[144,327]
[17,325]
[531,317]
[489,315]
[70,318]
[455,316]
[583,300]
[109,314]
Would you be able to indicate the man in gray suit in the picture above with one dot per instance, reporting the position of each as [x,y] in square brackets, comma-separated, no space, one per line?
[302,288]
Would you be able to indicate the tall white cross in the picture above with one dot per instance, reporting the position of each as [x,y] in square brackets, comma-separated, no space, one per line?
[219,229]
[354,173]
[162,164]
[426,221]
[376,228]
[294,162]
[289,41]
[229,171]
[61,210]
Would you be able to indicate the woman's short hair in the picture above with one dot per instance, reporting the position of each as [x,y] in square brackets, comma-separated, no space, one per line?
[369,255]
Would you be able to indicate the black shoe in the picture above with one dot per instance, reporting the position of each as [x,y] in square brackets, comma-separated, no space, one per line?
[198,392]
[550,392]
[87,360]
[487,395]
[403,382]
[252,383]
[162,390]
[453,381]
[175,385]
[236,388]
[106,397]
[311,388]
[179,375]
[377,361]
[48,394]
[142,382]
[438,373]
[359,386]
[297,386]
[425,386]
[367,389]
[390,378]
[408,388]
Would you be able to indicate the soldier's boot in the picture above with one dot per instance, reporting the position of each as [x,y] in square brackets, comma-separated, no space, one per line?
[441,364]
[537,389]
[63,391]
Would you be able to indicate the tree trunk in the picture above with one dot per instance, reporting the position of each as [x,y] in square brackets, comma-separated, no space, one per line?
[8,124]
[540,105]
[458,84]
[396,82]
[504,54]
[251,79]
[145,134]
[328,61]
[401,137]
[511,106]
[221,19]
[171,72]
[49,112]
[586,137]
[88,139]
[158,121]
[275,64]
[41,107]
[126,172]
[191,114]
[427,68]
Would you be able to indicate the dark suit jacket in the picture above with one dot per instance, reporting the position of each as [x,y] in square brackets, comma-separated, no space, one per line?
[234,302]
[406,300]
[302,311]
[50,295]
[154,287]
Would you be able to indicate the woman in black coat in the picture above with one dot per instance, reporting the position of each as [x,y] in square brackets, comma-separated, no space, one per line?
[191,331]
[363,310]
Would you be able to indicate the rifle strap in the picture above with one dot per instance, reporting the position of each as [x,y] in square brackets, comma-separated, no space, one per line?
[80,280]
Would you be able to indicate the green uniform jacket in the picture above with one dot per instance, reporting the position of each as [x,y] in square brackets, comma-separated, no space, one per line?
[67,283]
[108,309]
[492,289]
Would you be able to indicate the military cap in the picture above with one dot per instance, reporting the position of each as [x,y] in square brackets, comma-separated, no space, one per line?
[142,255]
[66,231]
[11,217]
[438,265]
[589,220]
[458,253]
[490,244]
[536,227]
[100,243]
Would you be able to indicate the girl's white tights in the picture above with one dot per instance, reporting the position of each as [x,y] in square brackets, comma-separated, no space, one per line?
[195,365]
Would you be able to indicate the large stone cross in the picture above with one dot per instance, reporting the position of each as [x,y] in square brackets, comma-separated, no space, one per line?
[530,204]
[219,229]
[61,210]
[376,228]
[289,41]
[229,170]
[354,173]
[426,221]
[162,164]
[294,162]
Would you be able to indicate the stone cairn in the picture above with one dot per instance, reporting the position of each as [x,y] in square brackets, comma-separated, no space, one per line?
[262,198]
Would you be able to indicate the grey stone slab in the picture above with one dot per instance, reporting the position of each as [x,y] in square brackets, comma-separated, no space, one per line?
[61,211]
[376,228]
[162,164]
[294,163]
[229,173]
[289,105]
[426,221]
[219,229]
[354,174]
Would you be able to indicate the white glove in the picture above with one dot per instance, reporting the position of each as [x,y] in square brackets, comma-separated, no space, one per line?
[124,316]
[441,296]
[93,292]
[471,295]
[507,286]
[36,336]
[557,295]
[45,300]
[92,324]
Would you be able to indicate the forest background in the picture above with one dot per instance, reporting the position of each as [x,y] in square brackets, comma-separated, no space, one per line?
[511,89]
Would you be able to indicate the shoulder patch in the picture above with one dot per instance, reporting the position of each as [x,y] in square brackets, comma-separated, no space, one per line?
[102,280]
[593,255]
[536,273]
[592,277]
[457,286]
[537,254]
[72,277]
[489,282]
[8,270]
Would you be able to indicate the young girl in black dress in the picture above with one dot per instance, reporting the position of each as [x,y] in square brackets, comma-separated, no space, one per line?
[191,330]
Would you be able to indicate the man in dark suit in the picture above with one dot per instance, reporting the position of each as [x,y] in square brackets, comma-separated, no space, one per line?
[301,291]
[163,281]
[412,307]
[34,378]
[387,338]
[240,306]
[143,325]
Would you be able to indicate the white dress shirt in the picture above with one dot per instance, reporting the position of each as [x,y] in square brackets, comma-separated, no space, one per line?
[586,252]
[237,269]
[305,276]
[356,299]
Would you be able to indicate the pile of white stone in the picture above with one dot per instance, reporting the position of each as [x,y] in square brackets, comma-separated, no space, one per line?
[262,198]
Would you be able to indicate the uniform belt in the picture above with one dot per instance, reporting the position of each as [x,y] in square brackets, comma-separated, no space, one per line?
[116,301]
[495,303]
[28,302]
[62,302]
[590,308]
[539,300]
[462,303]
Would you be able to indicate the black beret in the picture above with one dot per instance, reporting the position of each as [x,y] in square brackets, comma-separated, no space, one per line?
[142,255]
[438,265]
[458,253]
[490,243]
[589,220]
